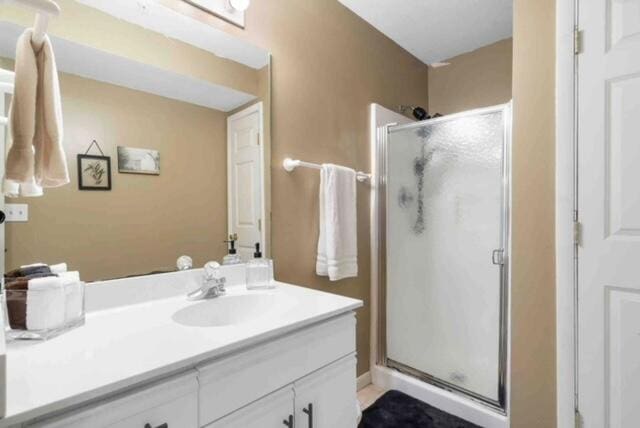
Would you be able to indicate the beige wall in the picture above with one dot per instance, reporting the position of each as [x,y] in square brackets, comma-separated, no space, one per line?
[328,65]
[90,27]
[145,222]
[533,377]
[480,78]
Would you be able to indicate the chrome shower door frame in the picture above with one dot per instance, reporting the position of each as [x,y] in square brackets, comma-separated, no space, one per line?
[382,143]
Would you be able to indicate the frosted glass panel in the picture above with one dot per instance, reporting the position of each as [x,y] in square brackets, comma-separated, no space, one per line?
[444,219]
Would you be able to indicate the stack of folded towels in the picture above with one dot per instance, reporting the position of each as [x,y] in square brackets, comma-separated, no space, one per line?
[42,297]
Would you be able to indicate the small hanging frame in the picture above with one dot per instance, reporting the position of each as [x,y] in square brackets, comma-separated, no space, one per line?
[94,172]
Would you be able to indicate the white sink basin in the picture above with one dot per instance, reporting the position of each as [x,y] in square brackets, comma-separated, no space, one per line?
[234,309]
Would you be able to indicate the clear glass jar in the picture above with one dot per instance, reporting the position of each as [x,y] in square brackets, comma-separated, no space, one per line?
[260,274]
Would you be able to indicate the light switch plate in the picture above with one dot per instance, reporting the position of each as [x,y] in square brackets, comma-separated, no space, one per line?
[16,213]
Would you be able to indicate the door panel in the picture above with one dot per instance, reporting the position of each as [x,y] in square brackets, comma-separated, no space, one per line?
[623,348]
[609,211]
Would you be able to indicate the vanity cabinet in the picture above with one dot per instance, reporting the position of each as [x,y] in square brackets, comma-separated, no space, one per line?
[304,378]
[231,383]
[324,399]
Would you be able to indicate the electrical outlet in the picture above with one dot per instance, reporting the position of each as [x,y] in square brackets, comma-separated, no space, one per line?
[16,212]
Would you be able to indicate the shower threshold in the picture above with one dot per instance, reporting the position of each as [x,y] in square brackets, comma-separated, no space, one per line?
[447,386]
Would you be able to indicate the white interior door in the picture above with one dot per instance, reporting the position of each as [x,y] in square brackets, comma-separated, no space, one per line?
[245,177]
[609,211]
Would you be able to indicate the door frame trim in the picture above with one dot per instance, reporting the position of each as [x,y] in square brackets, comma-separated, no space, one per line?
[566,207]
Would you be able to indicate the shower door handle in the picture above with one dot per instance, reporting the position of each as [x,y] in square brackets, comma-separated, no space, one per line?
[497,257]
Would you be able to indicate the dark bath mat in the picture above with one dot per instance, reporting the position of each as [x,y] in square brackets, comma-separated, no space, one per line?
[398,410]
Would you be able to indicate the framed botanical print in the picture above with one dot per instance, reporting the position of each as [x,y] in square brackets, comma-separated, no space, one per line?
[94,172]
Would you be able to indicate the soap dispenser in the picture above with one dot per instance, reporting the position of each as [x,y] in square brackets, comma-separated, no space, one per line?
[259,271]
[232,258]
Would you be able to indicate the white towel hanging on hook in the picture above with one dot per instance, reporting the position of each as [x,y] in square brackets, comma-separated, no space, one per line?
[36,158]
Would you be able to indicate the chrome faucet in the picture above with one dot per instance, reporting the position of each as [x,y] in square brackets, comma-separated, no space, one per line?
[212,283]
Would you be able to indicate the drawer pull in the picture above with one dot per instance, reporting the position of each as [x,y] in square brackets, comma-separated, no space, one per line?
[164,425]
[289,421]
[309,412]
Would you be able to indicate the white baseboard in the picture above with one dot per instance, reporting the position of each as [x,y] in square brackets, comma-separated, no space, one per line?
[364,381]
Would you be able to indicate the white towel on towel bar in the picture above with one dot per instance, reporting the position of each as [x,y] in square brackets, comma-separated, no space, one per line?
[337,242]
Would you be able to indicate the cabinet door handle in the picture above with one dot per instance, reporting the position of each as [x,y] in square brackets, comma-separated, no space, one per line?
[289,421]
[164,425]
[309,412]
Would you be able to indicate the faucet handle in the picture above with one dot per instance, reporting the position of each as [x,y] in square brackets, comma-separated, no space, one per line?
[212,270]
[184,263]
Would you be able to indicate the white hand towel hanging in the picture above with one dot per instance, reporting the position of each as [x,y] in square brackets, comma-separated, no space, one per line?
[337,242]
[36,158]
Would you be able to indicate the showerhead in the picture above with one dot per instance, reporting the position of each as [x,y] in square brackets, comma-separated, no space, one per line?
[418,112]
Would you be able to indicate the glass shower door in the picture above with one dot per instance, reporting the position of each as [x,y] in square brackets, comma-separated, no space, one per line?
[446,182]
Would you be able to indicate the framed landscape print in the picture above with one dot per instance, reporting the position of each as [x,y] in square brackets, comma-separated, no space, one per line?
[138,161]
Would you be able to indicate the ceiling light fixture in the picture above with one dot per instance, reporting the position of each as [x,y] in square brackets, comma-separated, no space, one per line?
[238,5]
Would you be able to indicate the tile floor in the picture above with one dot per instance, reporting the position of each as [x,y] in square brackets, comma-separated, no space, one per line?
[368,395]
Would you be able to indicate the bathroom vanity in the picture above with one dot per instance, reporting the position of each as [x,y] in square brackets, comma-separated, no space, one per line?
[148,358]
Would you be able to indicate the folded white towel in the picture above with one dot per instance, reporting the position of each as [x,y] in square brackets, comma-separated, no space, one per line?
[33,265]
[337,242]
[74,295]
[59,268]
[45,304]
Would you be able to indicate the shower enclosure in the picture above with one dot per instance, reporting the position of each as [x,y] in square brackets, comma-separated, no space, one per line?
[443,234]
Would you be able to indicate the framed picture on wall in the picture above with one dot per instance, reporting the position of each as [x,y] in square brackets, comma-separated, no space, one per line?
[138,161]
[94,172]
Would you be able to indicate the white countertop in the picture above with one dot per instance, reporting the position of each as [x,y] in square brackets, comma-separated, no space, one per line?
[123,346]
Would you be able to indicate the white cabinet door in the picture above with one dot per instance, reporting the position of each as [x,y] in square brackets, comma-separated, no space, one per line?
[273,411]
[327,398]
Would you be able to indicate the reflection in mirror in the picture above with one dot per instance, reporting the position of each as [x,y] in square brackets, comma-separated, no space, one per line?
[166,126]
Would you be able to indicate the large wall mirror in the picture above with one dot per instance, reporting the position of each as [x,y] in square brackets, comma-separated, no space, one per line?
[181,111]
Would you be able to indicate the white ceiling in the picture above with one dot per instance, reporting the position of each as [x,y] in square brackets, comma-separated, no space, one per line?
[435,30]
